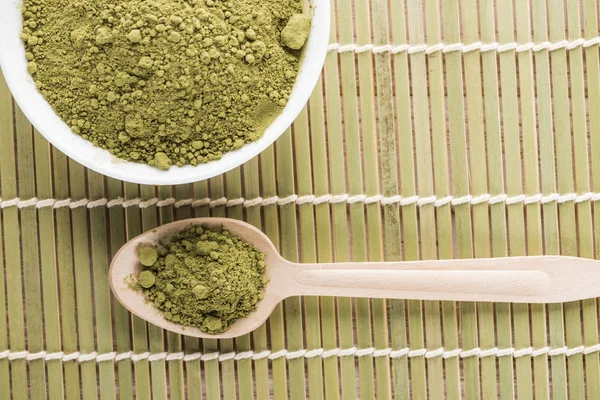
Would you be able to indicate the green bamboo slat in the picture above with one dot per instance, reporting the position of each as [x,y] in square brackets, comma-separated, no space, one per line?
[323,236]
[155,339]
[176,382]
[189,345]
[272,229]
[12,249]
[30,261]
[493,134]
[391,217]
[211,369]
[233,191]
[585,232]
[102,296]
[548,185]
[441,188]
[479,185]
[155,334]
[289,250]
[593,87]
[425,221]
[83,279]
[460,183]
[260,380]
[4,364]
[228,390]
[590,326]
[373,211]
[5,129]
[515,214]
[244,372]
[48,266]
[122,318]
[243,367]
[66,278]
[233,184]
[433,326]
[355,187]
[338,211]
[523,373]
[192,383]
[246,380]
[531,178]
[139,331]
[567,224]
[308,253]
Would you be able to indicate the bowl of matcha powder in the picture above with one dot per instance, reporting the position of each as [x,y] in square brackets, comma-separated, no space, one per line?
[162,91]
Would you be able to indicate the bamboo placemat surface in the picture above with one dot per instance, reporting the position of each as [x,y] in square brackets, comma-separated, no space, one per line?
[485,145]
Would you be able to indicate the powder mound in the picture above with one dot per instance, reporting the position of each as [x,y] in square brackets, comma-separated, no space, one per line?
[162,82]
[204,278]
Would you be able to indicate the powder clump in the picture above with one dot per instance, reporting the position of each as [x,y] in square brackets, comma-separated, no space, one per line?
[179,78]
[147,256]
[296,32]
[146,279]
[204,278]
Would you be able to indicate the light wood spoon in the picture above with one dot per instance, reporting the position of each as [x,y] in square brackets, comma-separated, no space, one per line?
[544,279]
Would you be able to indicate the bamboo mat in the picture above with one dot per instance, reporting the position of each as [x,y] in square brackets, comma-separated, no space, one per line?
[487,145]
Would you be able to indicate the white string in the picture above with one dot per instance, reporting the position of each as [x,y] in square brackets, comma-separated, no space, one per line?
[308,199]
[399,353]
[71,357]
[192,357]
[226,356]
[540,352]
[157,356]
[303,353]
[464,48]
[417,353]
[364,352]
[295,354]
[79,203]
[124,356]
[435,353]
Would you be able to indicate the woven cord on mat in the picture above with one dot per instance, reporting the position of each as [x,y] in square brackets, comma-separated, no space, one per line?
[467,130]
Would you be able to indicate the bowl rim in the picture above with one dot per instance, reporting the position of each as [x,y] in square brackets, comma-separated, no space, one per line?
[13,66]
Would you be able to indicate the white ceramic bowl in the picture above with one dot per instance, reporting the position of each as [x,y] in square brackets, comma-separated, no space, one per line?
[41,115]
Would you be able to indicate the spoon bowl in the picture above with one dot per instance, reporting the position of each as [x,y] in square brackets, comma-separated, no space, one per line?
[126,262]
[541,279]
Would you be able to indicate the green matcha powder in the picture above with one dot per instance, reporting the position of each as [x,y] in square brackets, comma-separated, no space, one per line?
[165,82]
[203,278]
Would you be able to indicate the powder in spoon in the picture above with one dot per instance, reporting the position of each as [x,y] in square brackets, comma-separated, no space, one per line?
[165,82]
[203,278]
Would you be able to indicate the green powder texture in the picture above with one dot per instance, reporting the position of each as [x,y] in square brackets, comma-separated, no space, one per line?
[165,82]
[204,278]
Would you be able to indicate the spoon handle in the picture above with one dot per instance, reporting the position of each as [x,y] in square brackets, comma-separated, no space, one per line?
[544,279]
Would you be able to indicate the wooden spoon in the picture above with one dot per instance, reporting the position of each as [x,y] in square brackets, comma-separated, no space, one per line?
[543,279]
